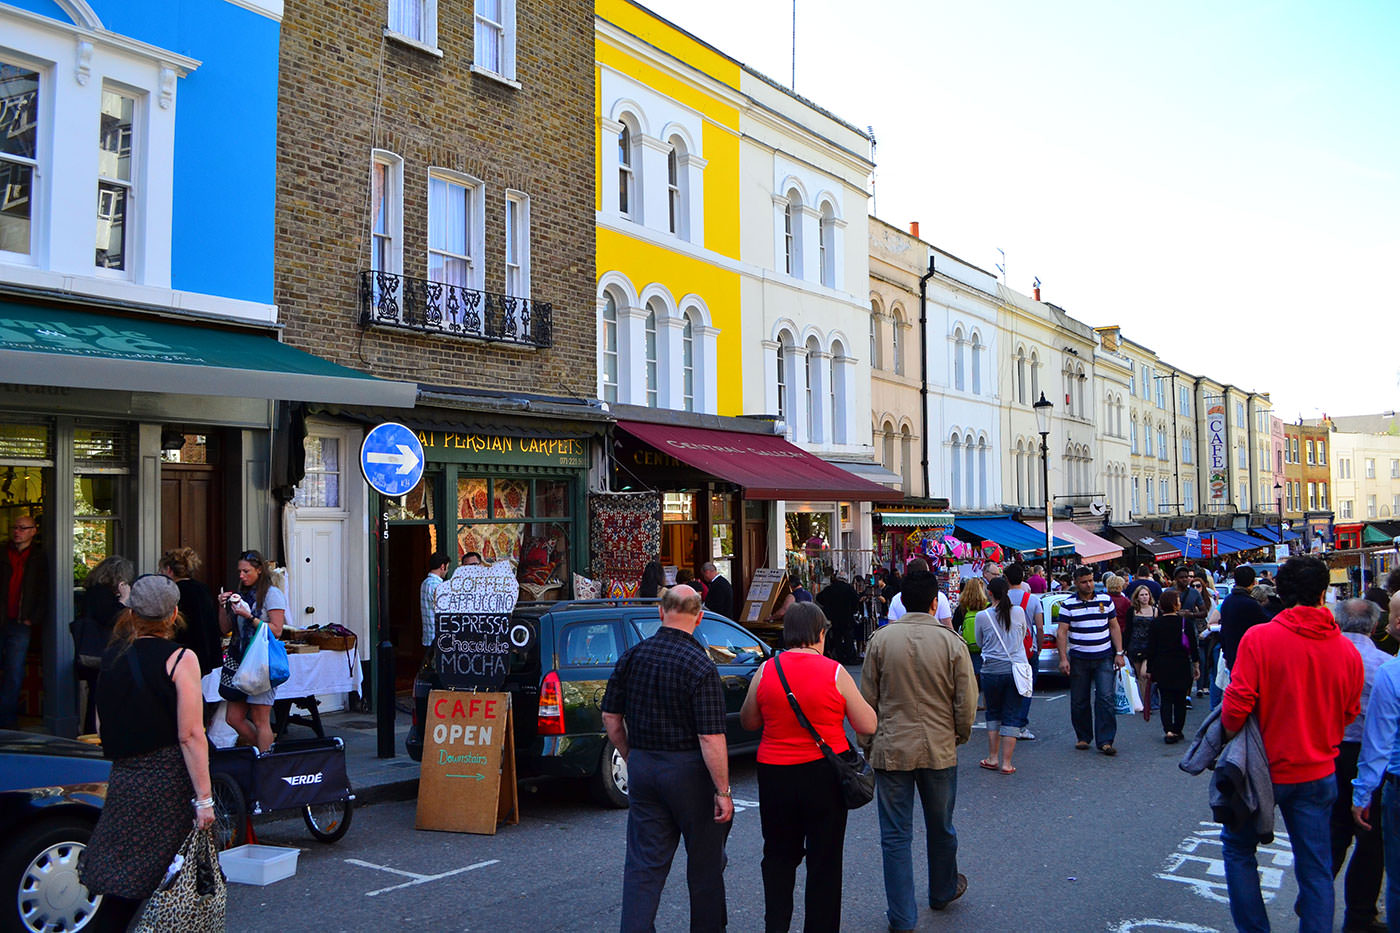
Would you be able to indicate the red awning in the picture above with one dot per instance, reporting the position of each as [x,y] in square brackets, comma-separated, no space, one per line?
[767,466]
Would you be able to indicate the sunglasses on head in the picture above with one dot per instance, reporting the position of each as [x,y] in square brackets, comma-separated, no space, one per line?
[251,557]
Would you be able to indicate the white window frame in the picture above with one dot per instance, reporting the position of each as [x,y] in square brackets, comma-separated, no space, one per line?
[1370,468]
[393,180]
[517,202]
[791,261]
[610,391]
[897,342]
[344,449]
[505,67]
[628,183]
[43,108]
[826,245]
[476,226]
[690,326]
[132,238]
[427,11]
[651,353]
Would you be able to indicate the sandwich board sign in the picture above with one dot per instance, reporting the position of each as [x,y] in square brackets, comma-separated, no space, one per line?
[768,586]
[467,779]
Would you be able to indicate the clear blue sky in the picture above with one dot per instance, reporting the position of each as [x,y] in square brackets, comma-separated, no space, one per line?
[1219,179]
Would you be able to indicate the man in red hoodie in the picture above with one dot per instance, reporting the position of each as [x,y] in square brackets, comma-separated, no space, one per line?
[1302,680]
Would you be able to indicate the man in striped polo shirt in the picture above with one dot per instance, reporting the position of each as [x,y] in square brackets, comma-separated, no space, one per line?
[1091,651]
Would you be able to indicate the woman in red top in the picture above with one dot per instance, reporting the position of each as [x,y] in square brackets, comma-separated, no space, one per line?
[800,805]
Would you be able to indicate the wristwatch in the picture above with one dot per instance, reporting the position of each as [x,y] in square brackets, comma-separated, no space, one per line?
[1121,653]
[727,792]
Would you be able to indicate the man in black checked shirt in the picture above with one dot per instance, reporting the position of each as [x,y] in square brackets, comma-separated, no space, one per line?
[664,710]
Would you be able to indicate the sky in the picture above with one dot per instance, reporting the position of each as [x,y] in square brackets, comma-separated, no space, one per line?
[1220,180]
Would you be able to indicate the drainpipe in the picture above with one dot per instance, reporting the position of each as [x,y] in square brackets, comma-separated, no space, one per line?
[923,368]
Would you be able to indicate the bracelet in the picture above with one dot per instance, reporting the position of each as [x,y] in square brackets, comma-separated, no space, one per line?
[202,803]
[727,792]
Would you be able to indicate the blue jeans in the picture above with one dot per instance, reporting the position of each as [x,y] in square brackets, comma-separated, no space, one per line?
[14,647]
[1390,830]
[1307,812]
[1216,694]
[938,791]
[1096,674]
[1003,703]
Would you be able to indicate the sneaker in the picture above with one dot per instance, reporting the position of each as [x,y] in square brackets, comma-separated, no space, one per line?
[959,892]
[1025,735]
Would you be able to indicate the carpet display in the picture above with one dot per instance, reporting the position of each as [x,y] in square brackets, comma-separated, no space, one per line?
[626,533]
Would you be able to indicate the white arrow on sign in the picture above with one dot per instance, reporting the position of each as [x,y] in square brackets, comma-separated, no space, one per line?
[405,458]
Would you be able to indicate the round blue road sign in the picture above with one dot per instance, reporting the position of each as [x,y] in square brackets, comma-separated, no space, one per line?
[391,459]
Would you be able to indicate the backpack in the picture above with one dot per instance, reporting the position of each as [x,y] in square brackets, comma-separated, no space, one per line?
[1030,627]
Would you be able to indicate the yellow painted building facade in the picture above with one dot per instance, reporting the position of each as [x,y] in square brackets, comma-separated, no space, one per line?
[668,299]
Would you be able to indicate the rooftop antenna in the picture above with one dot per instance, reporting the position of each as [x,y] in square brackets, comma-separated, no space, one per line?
[870,131]
[794,45]
[1001,266]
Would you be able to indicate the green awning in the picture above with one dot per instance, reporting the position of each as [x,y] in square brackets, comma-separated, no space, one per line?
[916,519]
[58,346]
[1373,535]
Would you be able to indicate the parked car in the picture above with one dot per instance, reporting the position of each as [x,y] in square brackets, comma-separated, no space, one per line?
[557,687]
[1047,664]
[51,794]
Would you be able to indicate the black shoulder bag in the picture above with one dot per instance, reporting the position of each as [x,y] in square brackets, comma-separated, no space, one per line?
[853,772]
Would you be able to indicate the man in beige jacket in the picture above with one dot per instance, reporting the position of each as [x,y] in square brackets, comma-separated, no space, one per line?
[918,677]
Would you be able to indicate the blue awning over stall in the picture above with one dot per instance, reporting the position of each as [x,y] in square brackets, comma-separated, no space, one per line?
[1006,531]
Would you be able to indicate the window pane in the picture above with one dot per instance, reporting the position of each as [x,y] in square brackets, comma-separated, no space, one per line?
[508,498]
[492,541]
[551,498]
[114,157]
[728,644]
[544,554]
[406,18]
[111,226]
[16,195]
[379,197]
[414,505]
[590,645]
[473,501]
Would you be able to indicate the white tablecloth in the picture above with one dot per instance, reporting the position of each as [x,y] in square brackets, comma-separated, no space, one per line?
[321,672]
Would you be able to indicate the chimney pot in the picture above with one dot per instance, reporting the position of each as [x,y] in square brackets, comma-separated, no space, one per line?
[914,228]
[1037,293]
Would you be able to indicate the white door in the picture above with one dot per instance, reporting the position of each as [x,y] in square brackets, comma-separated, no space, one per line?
[318,580]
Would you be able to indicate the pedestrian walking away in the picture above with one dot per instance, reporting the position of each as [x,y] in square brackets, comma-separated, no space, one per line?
[1001,630]
[1378,770]
[1357,619]
[801,808]
[1033,633]
[1091,651]
[941,611]
[918,678]
[1172,663]
[664,711]
[1302,681]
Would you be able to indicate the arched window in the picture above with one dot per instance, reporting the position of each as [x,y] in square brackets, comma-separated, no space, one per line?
[840,394]
[688,361]
[1069,390]
[628,190]
[653,383]
[875,335]
[897,327]
[1132,443]
[955,488]
[970,471]
[887,447]
[608,338]
[1033,467]
[1021,375]
[816,416]
[976,365]
[906,458]
[983,497]
[826,246]
[1081,398]
[1021,473]
[1035,377]
[959,375]
[1186,452]
[784,389]
[792,234]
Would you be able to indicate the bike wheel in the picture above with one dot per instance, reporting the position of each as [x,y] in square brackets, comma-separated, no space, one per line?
[230,812]
[328,822]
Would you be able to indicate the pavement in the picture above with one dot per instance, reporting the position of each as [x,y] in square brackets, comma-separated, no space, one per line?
[1074,841]
[374,779]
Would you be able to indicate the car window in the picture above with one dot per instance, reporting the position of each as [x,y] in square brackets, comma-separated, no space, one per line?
[646,626]
[728,644]
[590,644]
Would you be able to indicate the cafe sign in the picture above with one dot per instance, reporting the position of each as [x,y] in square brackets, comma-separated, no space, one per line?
[1215,449]
[477,447]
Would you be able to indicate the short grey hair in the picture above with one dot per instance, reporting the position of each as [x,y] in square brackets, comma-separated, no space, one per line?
[1358,615]
[709,565]
[682,599]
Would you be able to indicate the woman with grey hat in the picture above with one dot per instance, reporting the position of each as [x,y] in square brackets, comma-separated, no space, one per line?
[150,716]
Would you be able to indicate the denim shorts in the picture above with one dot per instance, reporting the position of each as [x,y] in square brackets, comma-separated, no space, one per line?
[1004,704]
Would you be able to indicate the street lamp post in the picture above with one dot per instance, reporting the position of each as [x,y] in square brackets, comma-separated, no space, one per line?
[1278,498]
[1042,422]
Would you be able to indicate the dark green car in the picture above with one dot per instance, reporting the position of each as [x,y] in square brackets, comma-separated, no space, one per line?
[557,686]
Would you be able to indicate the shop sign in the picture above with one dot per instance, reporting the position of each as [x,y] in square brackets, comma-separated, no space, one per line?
[473,447]
[466,782]
[1215,446]
[475,636]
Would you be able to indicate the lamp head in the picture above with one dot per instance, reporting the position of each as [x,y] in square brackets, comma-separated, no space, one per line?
[1042,414]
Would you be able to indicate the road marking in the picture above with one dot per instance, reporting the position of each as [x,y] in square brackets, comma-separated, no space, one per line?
[1057,696]
[1134,926]
[741,805]
[1189,867]
[415,877]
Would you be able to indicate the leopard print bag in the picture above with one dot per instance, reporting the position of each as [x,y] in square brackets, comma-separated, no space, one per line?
[193,898]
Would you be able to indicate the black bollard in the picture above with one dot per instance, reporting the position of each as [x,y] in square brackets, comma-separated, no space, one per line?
[384,702]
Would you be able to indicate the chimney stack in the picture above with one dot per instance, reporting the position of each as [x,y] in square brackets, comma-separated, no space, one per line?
[914,229]
[1037,293]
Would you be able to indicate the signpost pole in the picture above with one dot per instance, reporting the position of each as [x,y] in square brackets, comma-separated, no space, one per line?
[385,711]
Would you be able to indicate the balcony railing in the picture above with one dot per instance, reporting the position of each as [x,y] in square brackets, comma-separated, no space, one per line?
[389,300]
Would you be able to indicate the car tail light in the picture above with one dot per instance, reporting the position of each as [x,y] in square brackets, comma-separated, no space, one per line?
[1048,641]
[551,719]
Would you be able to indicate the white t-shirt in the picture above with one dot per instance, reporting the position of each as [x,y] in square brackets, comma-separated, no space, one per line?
[942,613]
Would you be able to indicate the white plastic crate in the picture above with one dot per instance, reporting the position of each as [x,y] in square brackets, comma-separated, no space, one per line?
[252,864]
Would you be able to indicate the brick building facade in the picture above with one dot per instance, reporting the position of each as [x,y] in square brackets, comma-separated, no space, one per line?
[351,86]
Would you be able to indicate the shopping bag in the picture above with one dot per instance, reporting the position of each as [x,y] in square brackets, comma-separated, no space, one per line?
[1123,704]
[278,669]
[1222,673]
[253,675]
[1134,694]
[194,895]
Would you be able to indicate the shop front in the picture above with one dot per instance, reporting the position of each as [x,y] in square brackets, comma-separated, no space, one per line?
[134,435]
[1142,544]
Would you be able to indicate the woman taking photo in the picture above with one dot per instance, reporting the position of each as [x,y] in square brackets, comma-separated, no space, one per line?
[1001,634]
[256,599]
[1172,663]
[801,810]
[151,720]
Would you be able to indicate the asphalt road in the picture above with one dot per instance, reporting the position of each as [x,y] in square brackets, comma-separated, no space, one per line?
[1074,841]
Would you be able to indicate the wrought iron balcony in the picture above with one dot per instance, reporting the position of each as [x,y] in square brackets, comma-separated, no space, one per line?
[388,300]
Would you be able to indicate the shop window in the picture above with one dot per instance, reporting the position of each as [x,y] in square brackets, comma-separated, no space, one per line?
[416,505]
[528,521]
[320,487]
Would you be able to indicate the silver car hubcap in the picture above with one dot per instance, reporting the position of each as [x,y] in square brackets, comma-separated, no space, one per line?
[619,771]
[51,897]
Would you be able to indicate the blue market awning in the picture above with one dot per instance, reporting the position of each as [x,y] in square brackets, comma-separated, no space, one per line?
[1227,541]
[1270,534]
[1008,532]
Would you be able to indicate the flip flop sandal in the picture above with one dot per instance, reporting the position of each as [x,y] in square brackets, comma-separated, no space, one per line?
[1008,770]
[1108,750]
[1082,746]
[990,766]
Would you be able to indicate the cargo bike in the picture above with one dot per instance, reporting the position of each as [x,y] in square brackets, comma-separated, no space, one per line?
[300,774]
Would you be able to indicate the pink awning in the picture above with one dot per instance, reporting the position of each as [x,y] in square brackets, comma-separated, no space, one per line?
[1089,546]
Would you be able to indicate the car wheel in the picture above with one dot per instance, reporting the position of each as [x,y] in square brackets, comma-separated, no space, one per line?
[230,812]
[610,783]
[328,822]
[40,867]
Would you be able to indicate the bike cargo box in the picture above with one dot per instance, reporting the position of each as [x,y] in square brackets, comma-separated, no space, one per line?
[301,773]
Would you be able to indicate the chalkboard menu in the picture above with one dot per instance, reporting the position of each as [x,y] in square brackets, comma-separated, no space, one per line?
[476,637]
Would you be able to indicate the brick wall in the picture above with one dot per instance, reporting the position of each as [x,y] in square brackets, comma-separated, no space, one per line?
[434,112]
